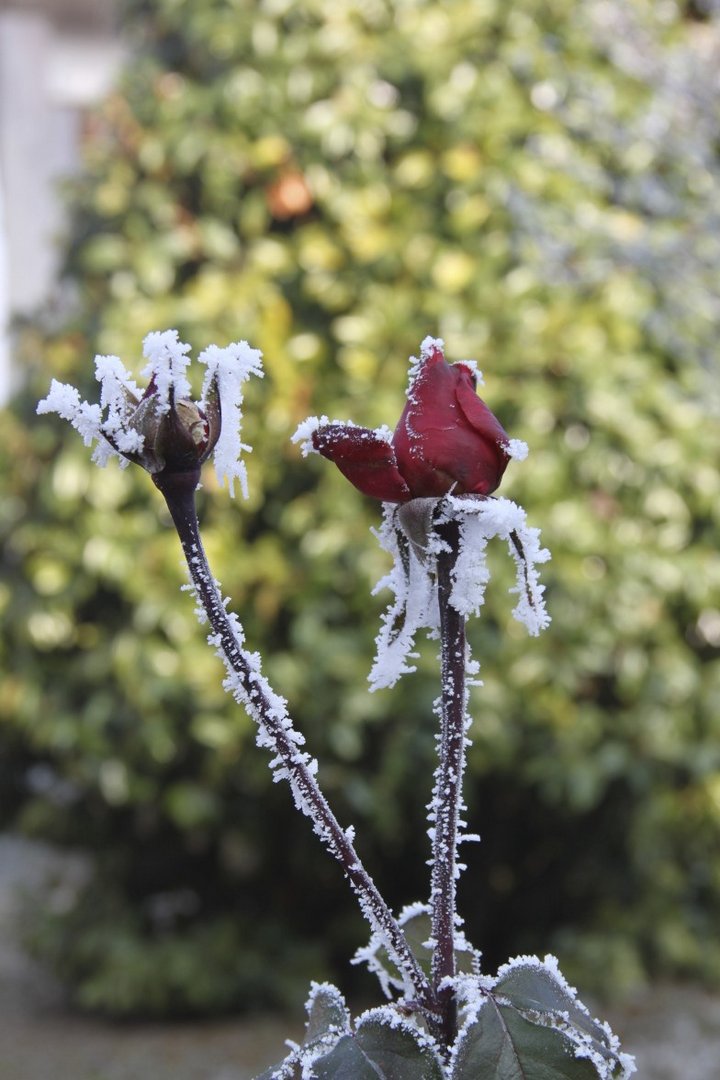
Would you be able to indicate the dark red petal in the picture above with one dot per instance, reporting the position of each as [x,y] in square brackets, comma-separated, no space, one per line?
[447,438]
[367,460]
[475,410]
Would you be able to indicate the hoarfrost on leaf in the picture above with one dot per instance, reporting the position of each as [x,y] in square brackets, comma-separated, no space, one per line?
[85,418]
[414,606]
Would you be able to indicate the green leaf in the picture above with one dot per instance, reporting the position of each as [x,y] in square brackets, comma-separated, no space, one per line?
[531,987]
[418,930]
[286,1070]
[328,1019]
[326,1011]
[379,1049]
[503,1045]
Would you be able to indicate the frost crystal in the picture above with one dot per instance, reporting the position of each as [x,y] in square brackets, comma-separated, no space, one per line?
[517,449]
[412,577]
[163,429]
[167,364]
[228,369]
[427,346]
[307,429]
[86,419]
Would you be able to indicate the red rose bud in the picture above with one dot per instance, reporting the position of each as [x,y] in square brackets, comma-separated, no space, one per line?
[446,439]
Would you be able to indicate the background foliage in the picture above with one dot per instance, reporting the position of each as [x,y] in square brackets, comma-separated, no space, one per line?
[537,184]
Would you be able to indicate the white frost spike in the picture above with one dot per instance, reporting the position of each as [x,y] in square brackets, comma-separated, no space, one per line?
[412,578]
[230,368]
[85,418]
[414,608]
[119,396]
[167,363]
[481,520]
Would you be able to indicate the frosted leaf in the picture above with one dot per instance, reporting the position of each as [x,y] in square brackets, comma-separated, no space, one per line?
[527,997]
[376,957]
[227,370]
[167,363]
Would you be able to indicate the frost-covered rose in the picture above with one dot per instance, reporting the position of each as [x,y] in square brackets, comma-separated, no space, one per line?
[447,440]
[163,429]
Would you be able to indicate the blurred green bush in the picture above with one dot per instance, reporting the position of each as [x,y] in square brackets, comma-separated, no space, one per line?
[333,181]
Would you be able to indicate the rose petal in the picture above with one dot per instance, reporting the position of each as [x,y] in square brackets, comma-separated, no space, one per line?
[475,410]
[367,460]
[447,438]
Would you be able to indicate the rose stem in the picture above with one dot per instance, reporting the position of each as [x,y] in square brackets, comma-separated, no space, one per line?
[447,795]
[179,492]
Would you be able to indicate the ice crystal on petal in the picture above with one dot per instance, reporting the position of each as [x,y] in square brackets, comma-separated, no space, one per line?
[427,345]
[308,427]
[517,449]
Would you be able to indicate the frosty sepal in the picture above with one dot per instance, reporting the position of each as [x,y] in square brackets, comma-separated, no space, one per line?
[528,1022]
[381,1042]
[409,533]
[415,920]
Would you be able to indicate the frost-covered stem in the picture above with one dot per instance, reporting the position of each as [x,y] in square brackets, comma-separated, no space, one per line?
[179,492]
[447,794]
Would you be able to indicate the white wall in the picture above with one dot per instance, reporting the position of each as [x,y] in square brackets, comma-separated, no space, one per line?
[50,72]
